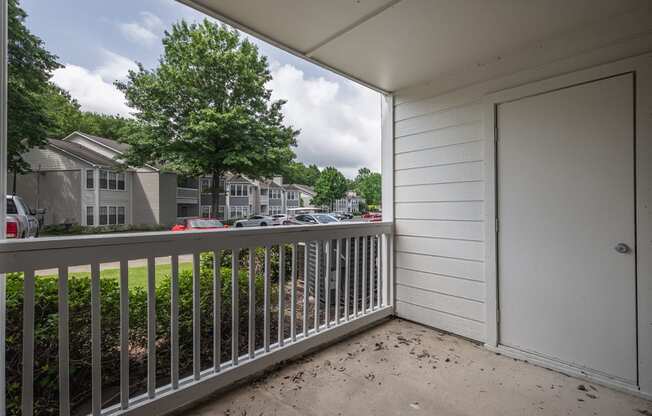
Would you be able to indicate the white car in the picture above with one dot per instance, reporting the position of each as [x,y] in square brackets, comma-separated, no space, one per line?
[278,219]
[254,221]
[21,220]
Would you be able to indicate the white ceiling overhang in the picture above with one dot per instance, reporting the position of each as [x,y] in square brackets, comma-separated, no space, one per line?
[393,44]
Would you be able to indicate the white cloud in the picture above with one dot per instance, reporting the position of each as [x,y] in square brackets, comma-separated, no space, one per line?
[146,31]
[94,89]
[339,122]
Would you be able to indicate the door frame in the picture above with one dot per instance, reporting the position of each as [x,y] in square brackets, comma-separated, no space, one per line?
[641,68]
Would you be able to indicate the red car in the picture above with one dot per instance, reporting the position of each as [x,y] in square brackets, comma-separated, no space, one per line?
[373,216]
[190,224]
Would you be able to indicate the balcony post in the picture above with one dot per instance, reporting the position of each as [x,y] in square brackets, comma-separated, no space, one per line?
[387,187]
[3,193]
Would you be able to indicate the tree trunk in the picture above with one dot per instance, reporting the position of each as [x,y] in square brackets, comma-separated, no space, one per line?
[215,194]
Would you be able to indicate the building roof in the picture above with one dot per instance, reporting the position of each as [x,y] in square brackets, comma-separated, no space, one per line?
[113,144]
[302,188]
[83,153]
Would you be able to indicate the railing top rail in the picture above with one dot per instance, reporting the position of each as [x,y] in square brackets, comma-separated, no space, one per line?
[49,252]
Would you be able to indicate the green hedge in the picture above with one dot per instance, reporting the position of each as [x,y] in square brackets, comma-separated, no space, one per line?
[46,384]
[76,229]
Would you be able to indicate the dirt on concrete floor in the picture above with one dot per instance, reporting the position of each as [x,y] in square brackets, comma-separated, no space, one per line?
[401,368]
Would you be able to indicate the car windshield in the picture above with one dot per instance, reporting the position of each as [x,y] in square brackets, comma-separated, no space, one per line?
[11,207]
[203,223]
[278,216]
[325,219]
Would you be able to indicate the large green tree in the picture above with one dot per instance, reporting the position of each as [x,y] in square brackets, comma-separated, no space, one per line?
[66,117]
[368,185]
[206,108]
[330,186]
[30,67]
[297,172]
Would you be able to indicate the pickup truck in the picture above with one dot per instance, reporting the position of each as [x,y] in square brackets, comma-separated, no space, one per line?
[21,219]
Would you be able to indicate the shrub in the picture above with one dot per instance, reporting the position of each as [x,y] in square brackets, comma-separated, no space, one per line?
[46,383]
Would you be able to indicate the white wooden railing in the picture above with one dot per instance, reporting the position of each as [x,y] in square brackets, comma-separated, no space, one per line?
[357,255]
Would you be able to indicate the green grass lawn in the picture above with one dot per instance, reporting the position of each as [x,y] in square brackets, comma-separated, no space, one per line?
[137,275]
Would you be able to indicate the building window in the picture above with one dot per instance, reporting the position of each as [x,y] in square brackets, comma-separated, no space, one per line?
[292,196]
[238,212]
[112,215]
[90,215]
[239,189]
[90,179]
[104,215]
[121,215]
[112,180]
[104,179]
[275,210]
[121,181]
[205,184]
[275,194]
[263,192]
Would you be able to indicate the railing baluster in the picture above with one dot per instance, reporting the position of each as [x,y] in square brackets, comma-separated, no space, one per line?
[64,344]
[347,278]
[306,255]
[124,334]
[196,316]
[281,294]
[217,311]
[356,264]
[266,293]
[372,272]
[338,275]
[235,307]
[364,274]
[28,343]
[317,283]
[252,304]
[174,321]
[379,271]
[327,280]
[293,295]
[96,339]
[151,327]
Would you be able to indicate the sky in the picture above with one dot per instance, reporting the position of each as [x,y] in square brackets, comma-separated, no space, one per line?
[99,41]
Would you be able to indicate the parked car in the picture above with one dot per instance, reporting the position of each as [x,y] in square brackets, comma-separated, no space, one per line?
[373,216]
[278,219]
[344,215]
[305,219]
[255,221]
[21,219]
[190,224]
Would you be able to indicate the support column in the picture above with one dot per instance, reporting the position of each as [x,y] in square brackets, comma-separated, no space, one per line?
[3,193]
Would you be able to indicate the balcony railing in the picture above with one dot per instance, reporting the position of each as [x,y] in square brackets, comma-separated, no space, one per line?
[188,195]
[352,257]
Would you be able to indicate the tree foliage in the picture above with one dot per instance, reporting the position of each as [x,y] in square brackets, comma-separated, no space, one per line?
[66,117]
[297,172]
[29,69]
[368,185]
[206,109]
[330,186]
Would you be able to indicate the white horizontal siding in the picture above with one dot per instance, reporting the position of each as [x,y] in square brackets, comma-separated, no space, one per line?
[442,320]
[462,230]
[439,211]
[457,153]
[460,268]
[49,159]
[438,138]
[441,192]
[454,211]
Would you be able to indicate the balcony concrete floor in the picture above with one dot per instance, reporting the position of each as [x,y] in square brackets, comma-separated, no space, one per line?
[401,368]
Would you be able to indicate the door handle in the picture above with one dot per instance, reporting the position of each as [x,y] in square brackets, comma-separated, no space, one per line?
[622,248]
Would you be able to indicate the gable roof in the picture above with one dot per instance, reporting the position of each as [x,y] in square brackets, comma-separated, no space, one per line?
[113,144]
[83,153]
[303,188]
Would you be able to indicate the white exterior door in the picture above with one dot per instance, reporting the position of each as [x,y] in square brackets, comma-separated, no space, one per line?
[566,209]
